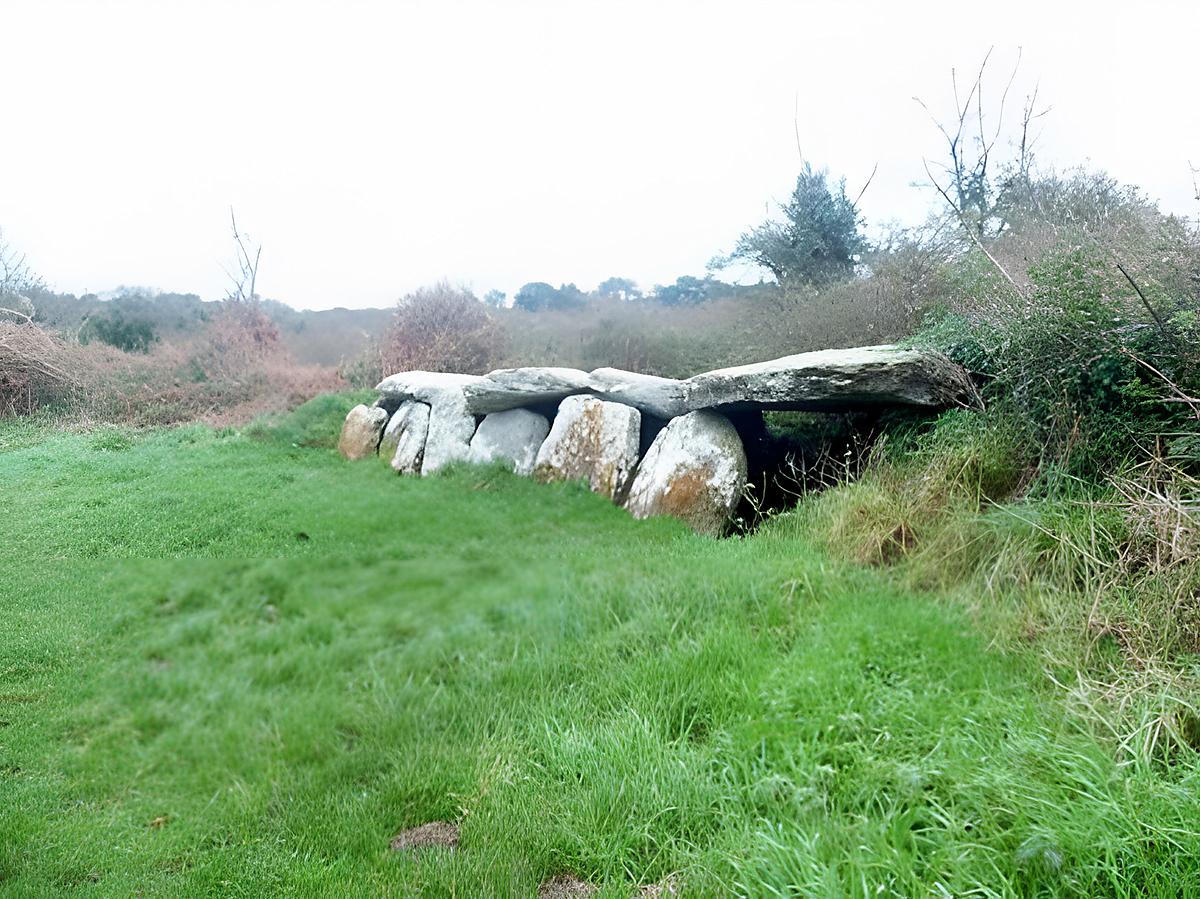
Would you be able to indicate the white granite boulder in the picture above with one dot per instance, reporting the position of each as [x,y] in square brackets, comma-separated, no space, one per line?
[451,425]
[695,471]
[451,428]
[514,435]
[361,432]
[403,443]
[594,440]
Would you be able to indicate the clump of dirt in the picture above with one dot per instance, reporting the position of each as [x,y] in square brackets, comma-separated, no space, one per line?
[664,889]
[566,886]
[434,834]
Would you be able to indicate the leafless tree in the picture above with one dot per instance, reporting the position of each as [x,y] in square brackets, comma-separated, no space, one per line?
[243,331]
[976,184]
[17,280]
[244,288]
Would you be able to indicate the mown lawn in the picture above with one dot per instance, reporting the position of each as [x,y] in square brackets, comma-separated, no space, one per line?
[235,667]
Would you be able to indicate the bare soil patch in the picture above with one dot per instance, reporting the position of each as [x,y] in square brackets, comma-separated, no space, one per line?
[664,889]
[434,834]
[566,886]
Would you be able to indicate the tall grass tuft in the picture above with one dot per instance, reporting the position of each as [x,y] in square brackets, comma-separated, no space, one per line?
[1103,578]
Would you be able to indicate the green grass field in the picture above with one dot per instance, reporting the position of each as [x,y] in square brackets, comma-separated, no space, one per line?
[237,667]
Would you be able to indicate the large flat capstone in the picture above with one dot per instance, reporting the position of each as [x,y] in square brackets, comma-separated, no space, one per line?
[694,470]
[836,380]
[823,381]
[593,440]
[509,388]
[426,386]
[660,397]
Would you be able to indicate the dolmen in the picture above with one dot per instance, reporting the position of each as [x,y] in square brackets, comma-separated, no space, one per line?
[656,446]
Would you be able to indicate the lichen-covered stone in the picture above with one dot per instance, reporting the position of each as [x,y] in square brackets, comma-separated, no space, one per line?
[836,380]
[594,440]
[510,388]
[451,424]
[426,386]
[514,435]
[451,428]
[695,471]
[660,397]
[403,443]
[361,432]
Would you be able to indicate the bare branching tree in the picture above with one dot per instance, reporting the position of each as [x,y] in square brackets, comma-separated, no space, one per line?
[17,281]
[974,184]
[244,332]
[244,288]
[32,365]
[976,187]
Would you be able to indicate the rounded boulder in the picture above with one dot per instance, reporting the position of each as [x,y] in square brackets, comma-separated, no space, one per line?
[695,470]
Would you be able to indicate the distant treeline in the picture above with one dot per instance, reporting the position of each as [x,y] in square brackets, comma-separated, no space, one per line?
[133,319]
[539,296]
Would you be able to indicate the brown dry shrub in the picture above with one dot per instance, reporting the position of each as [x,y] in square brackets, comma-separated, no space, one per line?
[438,328]
[241,336]
[169,387]
[231,372]
[35,368]
[227,374]
[680,341]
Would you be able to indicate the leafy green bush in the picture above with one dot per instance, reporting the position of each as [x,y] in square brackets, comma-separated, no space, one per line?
[133,335]
[1088,362]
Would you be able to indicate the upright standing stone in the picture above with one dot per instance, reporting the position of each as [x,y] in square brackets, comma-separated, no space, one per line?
[403,443]
[514,436]
[451,425]
[591,439]
[695,470]
[361,431]
[451,428]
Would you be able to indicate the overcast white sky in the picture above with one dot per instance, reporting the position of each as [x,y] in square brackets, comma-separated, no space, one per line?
[375,146]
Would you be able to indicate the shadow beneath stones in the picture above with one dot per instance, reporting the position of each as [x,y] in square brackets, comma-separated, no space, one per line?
[792,455]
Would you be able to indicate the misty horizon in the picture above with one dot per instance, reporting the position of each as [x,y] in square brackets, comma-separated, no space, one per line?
[373,148]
